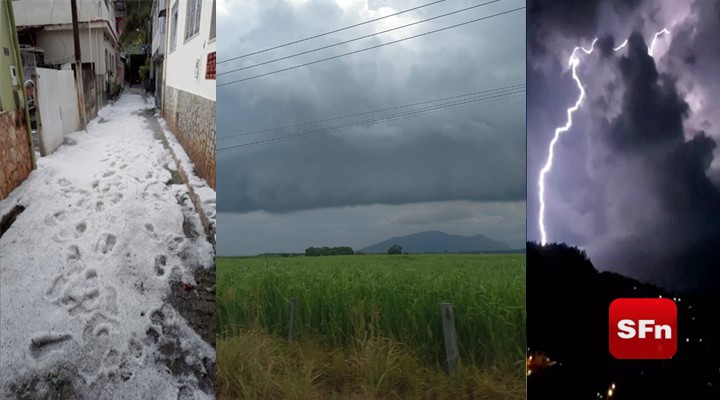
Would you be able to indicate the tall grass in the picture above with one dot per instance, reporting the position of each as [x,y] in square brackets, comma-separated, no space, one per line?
[349,299]
[256,365]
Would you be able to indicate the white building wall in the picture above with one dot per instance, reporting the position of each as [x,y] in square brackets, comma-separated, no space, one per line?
[159,25]
[96,30]
[180,71]
[44,12]
[60,48]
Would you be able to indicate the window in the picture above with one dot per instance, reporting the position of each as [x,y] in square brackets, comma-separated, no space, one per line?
[212,22]
[192,18]
[210,66]
[173,26]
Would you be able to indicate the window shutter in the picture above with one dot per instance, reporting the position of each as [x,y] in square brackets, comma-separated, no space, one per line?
[210,67]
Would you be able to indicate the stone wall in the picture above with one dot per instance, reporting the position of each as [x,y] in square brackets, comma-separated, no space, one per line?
[192,120]
[91,91]
[17,162]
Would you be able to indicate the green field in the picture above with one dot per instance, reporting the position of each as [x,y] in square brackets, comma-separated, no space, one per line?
[343,299]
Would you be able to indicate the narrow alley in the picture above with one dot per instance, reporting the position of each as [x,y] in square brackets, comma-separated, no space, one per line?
[99,244]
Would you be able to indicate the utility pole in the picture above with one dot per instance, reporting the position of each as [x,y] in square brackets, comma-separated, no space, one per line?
[78,65]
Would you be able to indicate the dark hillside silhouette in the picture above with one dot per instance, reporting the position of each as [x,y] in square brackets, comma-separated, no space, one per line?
[438,242]
[567,308]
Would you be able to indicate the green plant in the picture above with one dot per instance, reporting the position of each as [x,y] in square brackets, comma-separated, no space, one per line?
[344,299]
[144,70]
[395,249]
[115,90]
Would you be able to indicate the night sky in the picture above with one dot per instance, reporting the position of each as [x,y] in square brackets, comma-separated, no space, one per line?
[461,171]
[636,181]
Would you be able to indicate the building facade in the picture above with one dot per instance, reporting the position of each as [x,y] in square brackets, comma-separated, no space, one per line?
[48,26]
[159,12]
[188,100]
[16,154]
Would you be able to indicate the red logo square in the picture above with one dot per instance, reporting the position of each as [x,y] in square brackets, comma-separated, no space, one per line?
[643,329]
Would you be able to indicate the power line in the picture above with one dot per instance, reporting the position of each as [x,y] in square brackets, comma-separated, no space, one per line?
[371,122]
[374,121]
[370,48]
[331,32]
[371,112]
[358,38]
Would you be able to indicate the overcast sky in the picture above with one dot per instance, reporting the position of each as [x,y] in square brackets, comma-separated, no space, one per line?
[460,170]
[635,181]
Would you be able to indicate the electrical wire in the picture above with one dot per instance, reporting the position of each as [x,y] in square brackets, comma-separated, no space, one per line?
[370,112]
[331,32]
[358,38]
[347,126]
[370,48]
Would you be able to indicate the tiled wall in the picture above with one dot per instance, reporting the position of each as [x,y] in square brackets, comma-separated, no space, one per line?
[14,151]
[192,120]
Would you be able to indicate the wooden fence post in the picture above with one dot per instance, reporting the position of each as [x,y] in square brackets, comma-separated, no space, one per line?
[451,347]
[293,317]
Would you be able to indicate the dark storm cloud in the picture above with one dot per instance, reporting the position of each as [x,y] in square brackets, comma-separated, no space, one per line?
[474,153]
[606,45]
[678,244]
[653,110]
[695,60]
[569,18]
[634,181]
[330,172]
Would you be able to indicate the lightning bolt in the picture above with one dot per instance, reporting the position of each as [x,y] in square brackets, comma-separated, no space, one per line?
[655,38]
[623,44]
[573,61]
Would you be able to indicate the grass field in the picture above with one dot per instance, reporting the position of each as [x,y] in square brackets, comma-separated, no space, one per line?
[378,308]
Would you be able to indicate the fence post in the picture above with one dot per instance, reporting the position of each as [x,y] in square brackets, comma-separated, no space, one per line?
[451,347]
[293,317]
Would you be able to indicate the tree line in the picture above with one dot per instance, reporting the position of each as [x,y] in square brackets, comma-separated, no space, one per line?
[329,251]
[343,251]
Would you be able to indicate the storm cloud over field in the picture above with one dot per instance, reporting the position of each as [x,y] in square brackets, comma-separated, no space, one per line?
[461,170]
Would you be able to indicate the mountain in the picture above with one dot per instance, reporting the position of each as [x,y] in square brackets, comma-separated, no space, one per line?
[439,242]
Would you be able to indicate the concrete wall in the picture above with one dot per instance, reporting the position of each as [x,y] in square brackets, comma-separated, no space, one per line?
[192,119]
[14,151]
[93,92]
[181,72]
[57,102]
[43,12]
[60,49]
